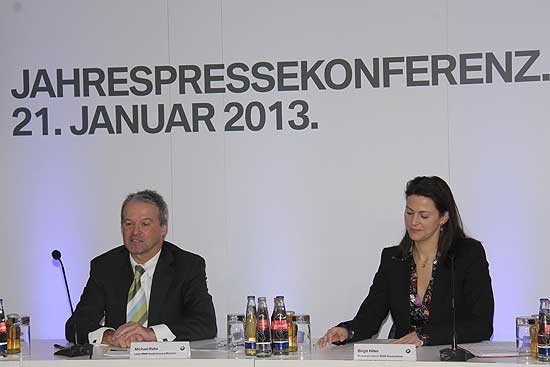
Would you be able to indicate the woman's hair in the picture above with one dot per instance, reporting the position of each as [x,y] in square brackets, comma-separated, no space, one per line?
[436,189]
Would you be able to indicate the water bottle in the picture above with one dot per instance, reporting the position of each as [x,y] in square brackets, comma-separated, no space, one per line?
[544,330]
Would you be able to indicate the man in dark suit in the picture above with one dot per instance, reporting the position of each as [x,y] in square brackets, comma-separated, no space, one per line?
[146,290]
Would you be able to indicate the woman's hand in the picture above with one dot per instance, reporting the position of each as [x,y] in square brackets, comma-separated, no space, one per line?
[334,334]
[410,338]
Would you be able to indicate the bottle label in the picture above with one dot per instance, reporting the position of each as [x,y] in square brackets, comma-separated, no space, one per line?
[544,351]
[263,335]
[2,327]
[279,325]
[263,324]
[279,332]
[249,345]
[283,345]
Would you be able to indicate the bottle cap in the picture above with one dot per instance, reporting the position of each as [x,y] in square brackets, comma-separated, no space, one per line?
[13,318]
[301,318]
[25,319]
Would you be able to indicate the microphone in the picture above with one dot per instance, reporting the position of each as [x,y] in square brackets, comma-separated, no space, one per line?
[77,350]
[56,255]
[454,353]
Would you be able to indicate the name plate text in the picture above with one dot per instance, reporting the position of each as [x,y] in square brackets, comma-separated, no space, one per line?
[384,352]
[159,350]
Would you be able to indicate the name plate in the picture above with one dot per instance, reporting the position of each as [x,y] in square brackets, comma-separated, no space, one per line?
[384,352]
[159,350]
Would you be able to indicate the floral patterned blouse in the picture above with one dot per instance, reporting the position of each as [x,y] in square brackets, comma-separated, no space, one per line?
[420,308]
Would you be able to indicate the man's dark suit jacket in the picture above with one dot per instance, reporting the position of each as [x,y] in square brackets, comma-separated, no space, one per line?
[390,292]
[179,295]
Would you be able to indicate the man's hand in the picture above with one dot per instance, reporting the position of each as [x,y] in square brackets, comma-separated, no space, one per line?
[128,333]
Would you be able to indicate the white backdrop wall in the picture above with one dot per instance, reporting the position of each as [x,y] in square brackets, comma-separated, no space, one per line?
[303,213]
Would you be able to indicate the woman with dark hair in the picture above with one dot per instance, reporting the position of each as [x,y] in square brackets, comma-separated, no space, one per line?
[413,281]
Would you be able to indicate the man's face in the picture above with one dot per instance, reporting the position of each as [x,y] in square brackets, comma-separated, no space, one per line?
[142,232]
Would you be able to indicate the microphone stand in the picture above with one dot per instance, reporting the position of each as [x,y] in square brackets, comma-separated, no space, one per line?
[76,350]
[454,353]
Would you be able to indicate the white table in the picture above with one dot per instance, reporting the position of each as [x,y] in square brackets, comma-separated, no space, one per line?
[205,354]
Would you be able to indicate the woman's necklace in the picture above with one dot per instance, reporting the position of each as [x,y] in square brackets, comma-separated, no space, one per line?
[422,264]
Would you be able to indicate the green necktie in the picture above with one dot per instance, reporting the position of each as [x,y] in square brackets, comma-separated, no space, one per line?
[136,309]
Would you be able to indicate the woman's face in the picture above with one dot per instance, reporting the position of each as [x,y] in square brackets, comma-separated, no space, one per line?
[422,219]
